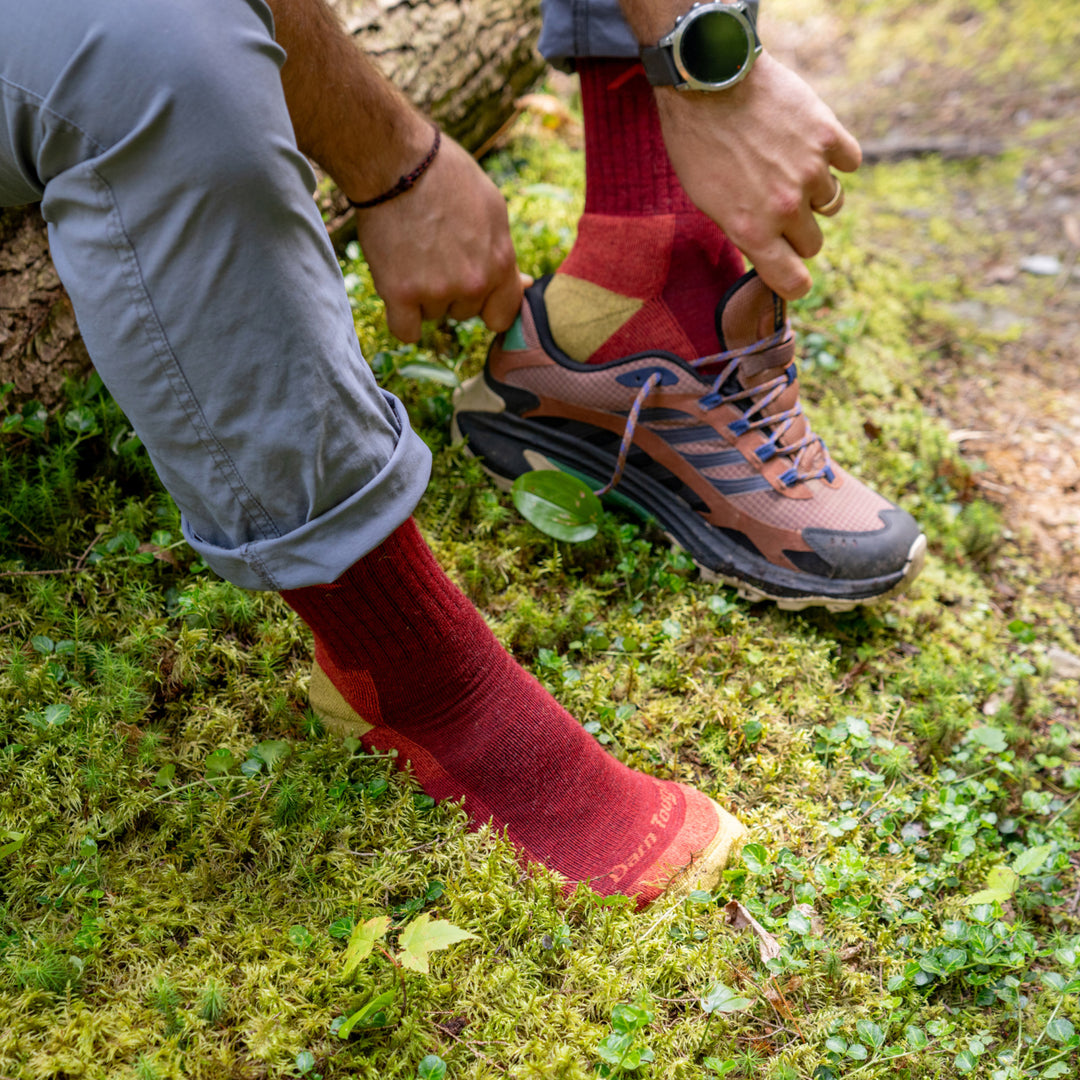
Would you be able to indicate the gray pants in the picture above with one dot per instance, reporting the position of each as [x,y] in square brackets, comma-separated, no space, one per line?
[181,222]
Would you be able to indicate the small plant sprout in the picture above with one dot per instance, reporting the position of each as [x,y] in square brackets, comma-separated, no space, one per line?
[622,1051]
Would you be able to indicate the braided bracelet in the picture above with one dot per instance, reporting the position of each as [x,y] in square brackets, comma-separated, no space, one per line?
[404,182]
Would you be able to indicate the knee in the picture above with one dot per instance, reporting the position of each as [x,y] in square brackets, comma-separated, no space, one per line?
[208,65]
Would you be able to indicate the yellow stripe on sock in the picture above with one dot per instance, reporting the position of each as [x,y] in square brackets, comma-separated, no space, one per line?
[583,315]
[332,709]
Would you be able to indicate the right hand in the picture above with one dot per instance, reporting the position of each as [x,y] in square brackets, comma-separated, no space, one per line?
[755,158]
[443,248]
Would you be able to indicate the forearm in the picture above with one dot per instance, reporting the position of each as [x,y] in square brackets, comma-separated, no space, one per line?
[345,114]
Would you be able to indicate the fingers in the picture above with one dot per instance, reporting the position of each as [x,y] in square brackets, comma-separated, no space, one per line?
[403,320]
[502,306]
[844,153]
[780,267]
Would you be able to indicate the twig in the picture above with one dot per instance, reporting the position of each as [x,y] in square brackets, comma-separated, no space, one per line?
[35,573]
[86,554]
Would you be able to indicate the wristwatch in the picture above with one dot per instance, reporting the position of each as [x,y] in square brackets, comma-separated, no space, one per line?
[711,47]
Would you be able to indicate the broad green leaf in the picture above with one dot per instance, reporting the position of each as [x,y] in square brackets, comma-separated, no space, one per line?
[797,922]
[305,1062]
[988,896]
[721,1068]
[1031,861]
[219,762]
[164,776]
[990,737]
[1058,1068]
[613,1049]
[300,936]
[15,841]
[362,941]
[1060,1030]
[557,504]
[965,1061]
[271,751]
[1001,877]
[871,1033]
[857,1052]
[630,1017]
[837,1044]
[431,1068]
[755,858]
[723,999]
[423,369]
[426,935]
[55,715]
[916,1037]
[361,1016]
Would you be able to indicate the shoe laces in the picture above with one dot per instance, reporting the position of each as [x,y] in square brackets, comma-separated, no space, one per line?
[754,418]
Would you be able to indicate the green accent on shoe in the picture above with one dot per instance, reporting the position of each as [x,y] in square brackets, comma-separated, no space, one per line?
[515,337]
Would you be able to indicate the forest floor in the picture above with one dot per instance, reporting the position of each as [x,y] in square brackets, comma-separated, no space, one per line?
[185,853]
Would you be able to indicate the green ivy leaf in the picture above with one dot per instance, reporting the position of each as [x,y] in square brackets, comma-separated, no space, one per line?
[630,1018]
[558,504]
[990,737]
[271,751]
[164,776]
[965,1061]
[426,935]
[301,937]
[362,941]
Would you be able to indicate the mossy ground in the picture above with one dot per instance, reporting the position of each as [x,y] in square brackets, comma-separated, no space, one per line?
[162,918]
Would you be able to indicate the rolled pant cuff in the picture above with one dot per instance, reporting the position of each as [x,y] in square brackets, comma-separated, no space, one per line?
[321,550]
[573,29]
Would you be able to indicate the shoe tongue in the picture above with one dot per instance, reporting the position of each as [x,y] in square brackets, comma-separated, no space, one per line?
[749,312]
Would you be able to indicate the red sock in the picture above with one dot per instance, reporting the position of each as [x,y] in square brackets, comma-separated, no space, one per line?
[413,657]
[640,235]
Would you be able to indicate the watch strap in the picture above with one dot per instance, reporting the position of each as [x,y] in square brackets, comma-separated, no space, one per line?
[659,64]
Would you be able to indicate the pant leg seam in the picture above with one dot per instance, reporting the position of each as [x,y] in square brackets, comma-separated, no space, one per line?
[120,241]
[14,89]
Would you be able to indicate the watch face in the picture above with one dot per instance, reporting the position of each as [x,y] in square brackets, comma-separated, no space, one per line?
[715,47]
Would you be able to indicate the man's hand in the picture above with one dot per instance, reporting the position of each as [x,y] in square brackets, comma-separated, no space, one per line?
[756,158]
[443,248]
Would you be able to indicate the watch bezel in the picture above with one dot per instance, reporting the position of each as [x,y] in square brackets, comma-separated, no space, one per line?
[736,10]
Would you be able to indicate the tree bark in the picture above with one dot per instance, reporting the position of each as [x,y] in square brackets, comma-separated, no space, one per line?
[463,62]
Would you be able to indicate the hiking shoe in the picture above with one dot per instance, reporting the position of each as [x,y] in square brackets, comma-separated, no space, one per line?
[716,450]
